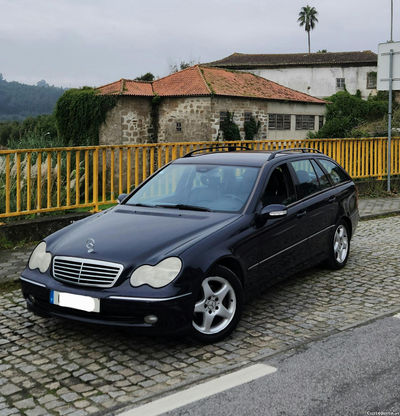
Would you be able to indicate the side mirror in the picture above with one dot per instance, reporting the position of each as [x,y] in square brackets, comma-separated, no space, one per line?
[121,198]
[273,211]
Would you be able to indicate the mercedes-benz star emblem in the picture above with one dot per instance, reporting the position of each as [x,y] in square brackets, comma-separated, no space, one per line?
[90,245]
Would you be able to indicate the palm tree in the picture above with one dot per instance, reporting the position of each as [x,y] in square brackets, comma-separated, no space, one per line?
[308,18]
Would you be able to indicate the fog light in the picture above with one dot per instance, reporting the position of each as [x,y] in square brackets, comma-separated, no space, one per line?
[32,299]
[150,319]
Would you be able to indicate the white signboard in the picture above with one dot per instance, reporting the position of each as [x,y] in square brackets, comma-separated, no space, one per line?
[384,66]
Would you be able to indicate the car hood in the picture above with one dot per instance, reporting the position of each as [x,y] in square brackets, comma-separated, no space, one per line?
[136,235]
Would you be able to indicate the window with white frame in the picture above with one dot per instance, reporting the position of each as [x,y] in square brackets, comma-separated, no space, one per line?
[178,126]
[371,80]
[340,82]
[304,122]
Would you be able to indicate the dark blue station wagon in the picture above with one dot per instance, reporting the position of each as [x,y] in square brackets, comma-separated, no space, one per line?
[187,248]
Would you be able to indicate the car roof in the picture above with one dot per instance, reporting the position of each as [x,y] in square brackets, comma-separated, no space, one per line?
[253,158]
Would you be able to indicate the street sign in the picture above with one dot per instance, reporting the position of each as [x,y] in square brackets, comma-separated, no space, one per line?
[384,66]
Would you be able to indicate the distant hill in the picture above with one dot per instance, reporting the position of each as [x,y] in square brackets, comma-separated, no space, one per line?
[18,101]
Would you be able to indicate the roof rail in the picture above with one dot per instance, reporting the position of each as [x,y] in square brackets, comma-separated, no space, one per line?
[229,147]
[302,149]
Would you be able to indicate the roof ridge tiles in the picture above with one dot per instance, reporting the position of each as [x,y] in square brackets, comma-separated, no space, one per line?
[110,83]
[203,78]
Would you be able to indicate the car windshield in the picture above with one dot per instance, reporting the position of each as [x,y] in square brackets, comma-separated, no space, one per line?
[198,187]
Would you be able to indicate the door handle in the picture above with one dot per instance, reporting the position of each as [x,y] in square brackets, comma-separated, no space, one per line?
[301,214]
[332,199]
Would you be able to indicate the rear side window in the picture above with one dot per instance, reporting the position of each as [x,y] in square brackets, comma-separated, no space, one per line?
[337,174]
[322,177]
[308,182]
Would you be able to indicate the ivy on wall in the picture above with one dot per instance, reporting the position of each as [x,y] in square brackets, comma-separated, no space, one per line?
[79,114]
[251,128]
[229,128]
[154,118]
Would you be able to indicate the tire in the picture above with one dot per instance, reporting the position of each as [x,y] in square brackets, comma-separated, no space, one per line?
[340,247]
[219,306]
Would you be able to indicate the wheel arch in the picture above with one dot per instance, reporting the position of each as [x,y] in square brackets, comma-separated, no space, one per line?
[233,265]
[349,226]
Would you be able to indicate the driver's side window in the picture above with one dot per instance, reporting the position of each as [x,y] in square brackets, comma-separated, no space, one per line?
[279,189]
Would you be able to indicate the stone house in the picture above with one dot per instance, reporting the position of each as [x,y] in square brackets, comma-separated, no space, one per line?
[318,74]
[190,104]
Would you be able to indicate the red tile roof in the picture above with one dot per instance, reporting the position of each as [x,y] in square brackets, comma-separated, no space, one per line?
[127,87]
[183,83]
[206,81]
[247,85]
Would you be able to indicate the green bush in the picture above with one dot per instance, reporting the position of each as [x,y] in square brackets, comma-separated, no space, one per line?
[49,177]
[229,128]
[12,132]
[251,128]
[346,112]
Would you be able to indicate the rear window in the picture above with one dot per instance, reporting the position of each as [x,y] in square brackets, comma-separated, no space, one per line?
[337,174]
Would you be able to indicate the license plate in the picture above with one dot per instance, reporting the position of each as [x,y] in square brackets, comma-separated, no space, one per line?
[69,300]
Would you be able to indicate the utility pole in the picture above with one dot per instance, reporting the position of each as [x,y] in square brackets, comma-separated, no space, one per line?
[391,21]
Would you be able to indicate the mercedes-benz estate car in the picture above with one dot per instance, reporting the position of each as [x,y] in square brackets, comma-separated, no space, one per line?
[192,243]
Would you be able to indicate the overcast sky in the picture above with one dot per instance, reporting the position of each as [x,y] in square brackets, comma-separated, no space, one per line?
[73,43]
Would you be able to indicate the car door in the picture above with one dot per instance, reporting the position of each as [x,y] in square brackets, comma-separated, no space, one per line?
[280,241]
[315,190]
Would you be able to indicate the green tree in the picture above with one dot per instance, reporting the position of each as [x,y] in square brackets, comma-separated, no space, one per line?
[308,19]
[18,101]
[146,77]
[173,67]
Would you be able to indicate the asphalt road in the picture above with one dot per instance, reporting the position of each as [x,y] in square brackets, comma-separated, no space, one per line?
[351,373]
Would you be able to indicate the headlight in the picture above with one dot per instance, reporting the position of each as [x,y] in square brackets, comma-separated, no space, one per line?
[40,258]
[159,275]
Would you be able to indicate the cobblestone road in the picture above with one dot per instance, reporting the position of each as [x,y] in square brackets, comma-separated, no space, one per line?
[61,368]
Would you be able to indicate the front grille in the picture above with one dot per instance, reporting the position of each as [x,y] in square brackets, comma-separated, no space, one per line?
[86,272]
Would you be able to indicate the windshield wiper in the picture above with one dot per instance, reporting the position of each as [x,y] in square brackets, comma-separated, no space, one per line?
[141,205]
[184,206]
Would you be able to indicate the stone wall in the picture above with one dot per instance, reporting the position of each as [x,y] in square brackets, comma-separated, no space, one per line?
[193,119]
[184,119]
[239,106]
[198,118]
[128,122]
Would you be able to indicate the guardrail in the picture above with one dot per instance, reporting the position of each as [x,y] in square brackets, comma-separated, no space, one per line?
[54,179]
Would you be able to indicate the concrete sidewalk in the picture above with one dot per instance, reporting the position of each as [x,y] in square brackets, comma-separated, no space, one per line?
[13,261]
[376,207]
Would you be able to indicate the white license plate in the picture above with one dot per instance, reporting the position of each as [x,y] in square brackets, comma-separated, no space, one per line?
[69,300]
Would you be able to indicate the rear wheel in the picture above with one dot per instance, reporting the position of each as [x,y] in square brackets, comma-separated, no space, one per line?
[219,306]
[340,247]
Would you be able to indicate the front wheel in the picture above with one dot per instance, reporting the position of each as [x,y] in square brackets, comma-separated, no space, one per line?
[340,247]
[219,306]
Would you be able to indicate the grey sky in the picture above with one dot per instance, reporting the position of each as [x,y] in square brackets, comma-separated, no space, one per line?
[72,43]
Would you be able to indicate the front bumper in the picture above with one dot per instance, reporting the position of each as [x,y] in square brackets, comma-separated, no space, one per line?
[173,313]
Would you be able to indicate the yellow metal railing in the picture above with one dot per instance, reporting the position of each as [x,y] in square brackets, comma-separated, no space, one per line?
[44,180]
